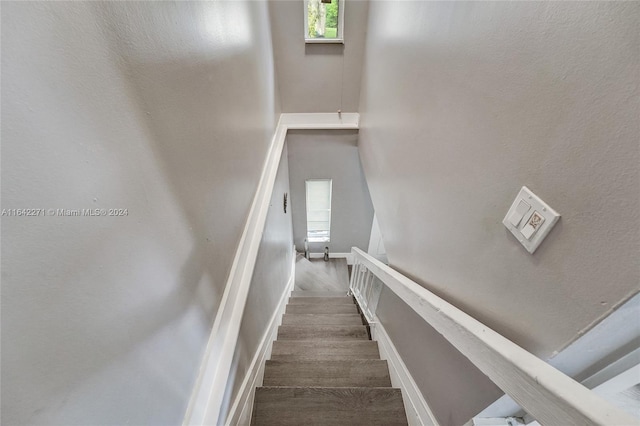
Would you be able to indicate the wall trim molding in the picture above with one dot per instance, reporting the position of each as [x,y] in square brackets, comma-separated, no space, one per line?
[241,409]
[207,397]
[320,121]
[416,407]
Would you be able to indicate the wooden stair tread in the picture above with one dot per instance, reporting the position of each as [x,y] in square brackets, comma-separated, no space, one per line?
[339,373]
[319,350]
[342,300]
[326,319]
[324,369]
[323,332]
[321,308]
[328,406]
[308,293]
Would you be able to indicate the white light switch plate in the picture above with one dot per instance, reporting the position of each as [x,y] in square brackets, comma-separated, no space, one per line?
[530,225]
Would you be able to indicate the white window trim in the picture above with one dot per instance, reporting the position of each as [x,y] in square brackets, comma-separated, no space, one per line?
[311,40]
[328,238]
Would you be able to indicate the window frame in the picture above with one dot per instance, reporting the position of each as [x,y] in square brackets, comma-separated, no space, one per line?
[306,198]
[340,39]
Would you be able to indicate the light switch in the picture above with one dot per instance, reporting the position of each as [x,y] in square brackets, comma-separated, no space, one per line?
[519,213]
[530,219]
[533,224]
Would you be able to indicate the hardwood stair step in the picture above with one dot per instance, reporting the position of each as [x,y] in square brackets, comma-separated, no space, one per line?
[285,406]
[318,350]
[348,373]
[309,293]
[322,332]
[343,300]
[321,308]
[319,319]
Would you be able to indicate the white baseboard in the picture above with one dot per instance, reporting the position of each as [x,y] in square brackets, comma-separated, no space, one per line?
[347,256]
[418,412]
[240,412]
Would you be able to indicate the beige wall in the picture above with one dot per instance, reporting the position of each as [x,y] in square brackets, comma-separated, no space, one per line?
[318,77]
[165,109]
[463,103]
[330,154]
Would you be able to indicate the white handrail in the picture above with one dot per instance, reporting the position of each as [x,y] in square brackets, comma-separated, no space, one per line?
[205,405]
[546,393]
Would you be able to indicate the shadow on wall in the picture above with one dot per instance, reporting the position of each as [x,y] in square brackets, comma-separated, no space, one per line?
[210,111]
[111,323]
[199,103]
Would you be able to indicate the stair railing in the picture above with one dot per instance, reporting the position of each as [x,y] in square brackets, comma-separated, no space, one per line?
[366,288]
[546,393]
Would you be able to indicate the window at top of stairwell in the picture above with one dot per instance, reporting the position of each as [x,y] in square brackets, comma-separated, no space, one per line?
[318,210]
[324,21]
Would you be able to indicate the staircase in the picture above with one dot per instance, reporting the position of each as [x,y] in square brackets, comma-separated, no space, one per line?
[325,370]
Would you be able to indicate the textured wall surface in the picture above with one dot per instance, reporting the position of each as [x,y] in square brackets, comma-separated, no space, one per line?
[330,154]
[165,109]
[462,103]
[318,77]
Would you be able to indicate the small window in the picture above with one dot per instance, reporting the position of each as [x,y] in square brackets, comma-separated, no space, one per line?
[318,210]
[324,21]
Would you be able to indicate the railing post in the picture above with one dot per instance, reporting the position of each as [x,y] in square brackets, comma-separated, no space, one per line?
[352,280]
[368,293]
[377,291]
[359,280]
[363,290]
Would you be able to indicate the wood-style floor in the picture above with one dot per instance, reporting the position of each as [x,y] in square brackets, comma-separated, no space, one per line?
[337,269]
[318,275]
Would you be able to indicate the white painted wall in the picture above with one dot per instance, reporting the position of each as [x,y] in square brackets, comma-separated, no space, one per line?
[331,154]
[165,109]
[463,103]
[318,77]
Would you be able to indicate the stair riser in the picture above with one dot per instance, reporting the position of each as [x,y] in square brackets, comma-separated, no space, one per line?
[313,332]
[324,300]
[329,382]
[306,293]
[321,309]
[310,350]
[320,319]
[363,373]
